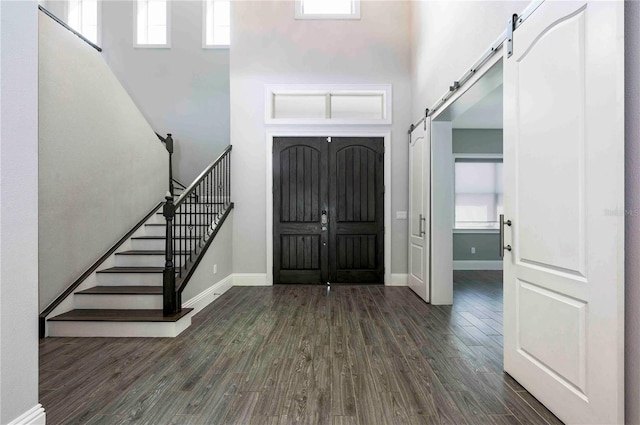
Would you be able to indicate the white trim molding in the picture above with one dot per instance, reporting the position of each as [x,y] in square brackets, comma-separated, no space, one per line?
[327,91]
[251,279]
[476,265]
[209,295]
[398,279]
[329,132]
[33,416]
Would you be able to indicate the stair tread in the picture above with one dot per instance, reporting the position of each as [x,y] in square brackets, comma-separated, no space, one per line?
[123,290]
[149,252]
[164,224]
[103,315]
[162,237]
[132,269]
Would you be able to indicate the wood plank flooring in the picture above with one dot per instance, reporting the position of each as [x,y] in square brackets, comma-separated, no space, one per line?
[280,355]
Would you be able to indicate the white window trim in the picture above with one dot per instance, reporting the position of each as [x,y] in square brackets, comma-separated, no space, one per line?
[453,170]
[327,89]
[98,41]
[135,29]
[354,15]
[204,32]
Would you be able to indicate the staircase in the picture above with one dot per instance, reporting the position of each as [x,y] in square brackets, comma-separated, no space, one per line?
[126,294]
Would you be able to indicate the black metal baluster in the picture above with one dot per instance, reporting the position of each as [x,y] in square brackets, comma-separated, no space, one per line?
[181,229]
[168,274]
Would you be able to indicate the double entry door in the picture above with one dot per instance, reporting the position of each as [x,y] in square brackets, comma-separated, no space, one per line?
[328,210]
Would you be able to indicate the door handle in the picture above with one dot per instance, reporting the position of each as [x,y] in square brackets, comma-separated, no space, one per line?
[421,220]
[502,245]
[324,220]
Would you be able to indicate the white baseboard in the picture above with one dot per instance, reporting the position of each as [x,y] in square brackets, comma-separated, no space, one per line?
[477,265]
[250,279]
[398,279]
[209,295]
[33,416]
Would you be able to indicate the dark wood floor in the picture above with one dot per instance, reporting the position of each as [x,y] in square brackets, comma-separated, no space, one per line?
[301,354]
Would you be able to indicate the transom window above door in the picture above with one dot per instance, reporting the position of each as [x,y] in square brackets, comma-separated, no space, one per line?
[327,9]
[315,104]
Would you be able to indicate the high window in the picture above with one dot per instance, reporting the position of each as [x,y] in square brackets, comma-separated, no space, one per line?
[327,9]
[217,23]
[84,17]
[478,193]
[152,23]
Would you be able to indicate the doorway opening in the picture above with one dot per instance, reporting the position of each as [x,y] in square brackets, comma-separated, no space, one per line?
[467,149]
[476,158]
[467,202]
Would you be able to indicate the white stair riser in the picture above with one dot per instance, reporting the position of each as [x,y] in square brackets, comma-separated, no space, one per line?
[118,301]
[201,208]
[159,244]
[140,260]
[130,279]
[119,329]
[158,219]
[161,231]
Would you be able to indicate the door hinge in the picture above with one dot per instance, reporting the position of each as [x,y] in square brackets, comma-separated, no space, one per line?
[329,139]
[511,26]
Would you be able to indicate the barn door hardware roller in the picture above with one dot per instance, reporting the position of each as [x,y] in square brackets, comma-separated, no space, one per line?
[507,36]
[511,27]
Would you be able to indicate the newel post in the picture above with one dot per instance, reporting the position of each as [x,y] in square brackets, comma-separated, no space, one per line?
[169,303]
[169,145]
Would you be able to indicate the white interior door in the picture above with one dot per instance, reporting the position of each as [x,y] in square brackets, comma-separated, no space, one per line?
[564,193]
[419,223]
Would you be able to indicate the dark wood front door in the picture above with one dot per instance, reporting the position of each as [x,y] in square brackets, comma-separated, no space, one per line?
[328,210]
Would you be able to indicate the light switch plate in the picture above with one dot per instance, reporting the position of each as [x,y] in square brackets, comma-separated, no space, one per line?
[401,215]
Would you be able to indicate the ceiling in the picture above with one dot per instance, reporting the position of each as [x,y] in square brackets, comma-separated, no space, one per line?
[485,113]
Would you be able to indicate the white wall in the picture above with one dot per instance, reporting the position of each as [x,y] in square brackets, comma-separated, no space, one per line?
[18,208]
[632,155]
[451,36]
[101,167]
[183,90]
[219,254]
[271,47]
[448,37]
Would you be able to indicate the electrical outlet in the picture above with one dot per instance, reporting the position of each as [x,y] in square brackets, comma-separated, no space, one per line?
[215,268]
[473,249]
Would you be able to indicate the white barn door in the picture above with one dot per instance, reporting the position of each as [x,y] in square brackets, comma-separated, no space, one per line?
[419,222]
[564,195]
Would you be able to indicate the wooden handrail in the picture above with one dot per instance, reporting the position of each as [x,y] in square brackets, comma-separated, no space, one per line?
[201,177]
[64,24]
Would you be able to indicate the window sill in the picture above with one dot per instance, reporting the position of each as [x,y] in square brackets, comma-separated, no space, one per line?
[151,46]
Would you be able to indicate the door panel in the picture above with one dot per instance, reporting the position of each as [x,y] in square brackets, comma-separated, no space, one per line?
[342,181]
[356,219]
[300,189]
[564,162]
[419,201]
